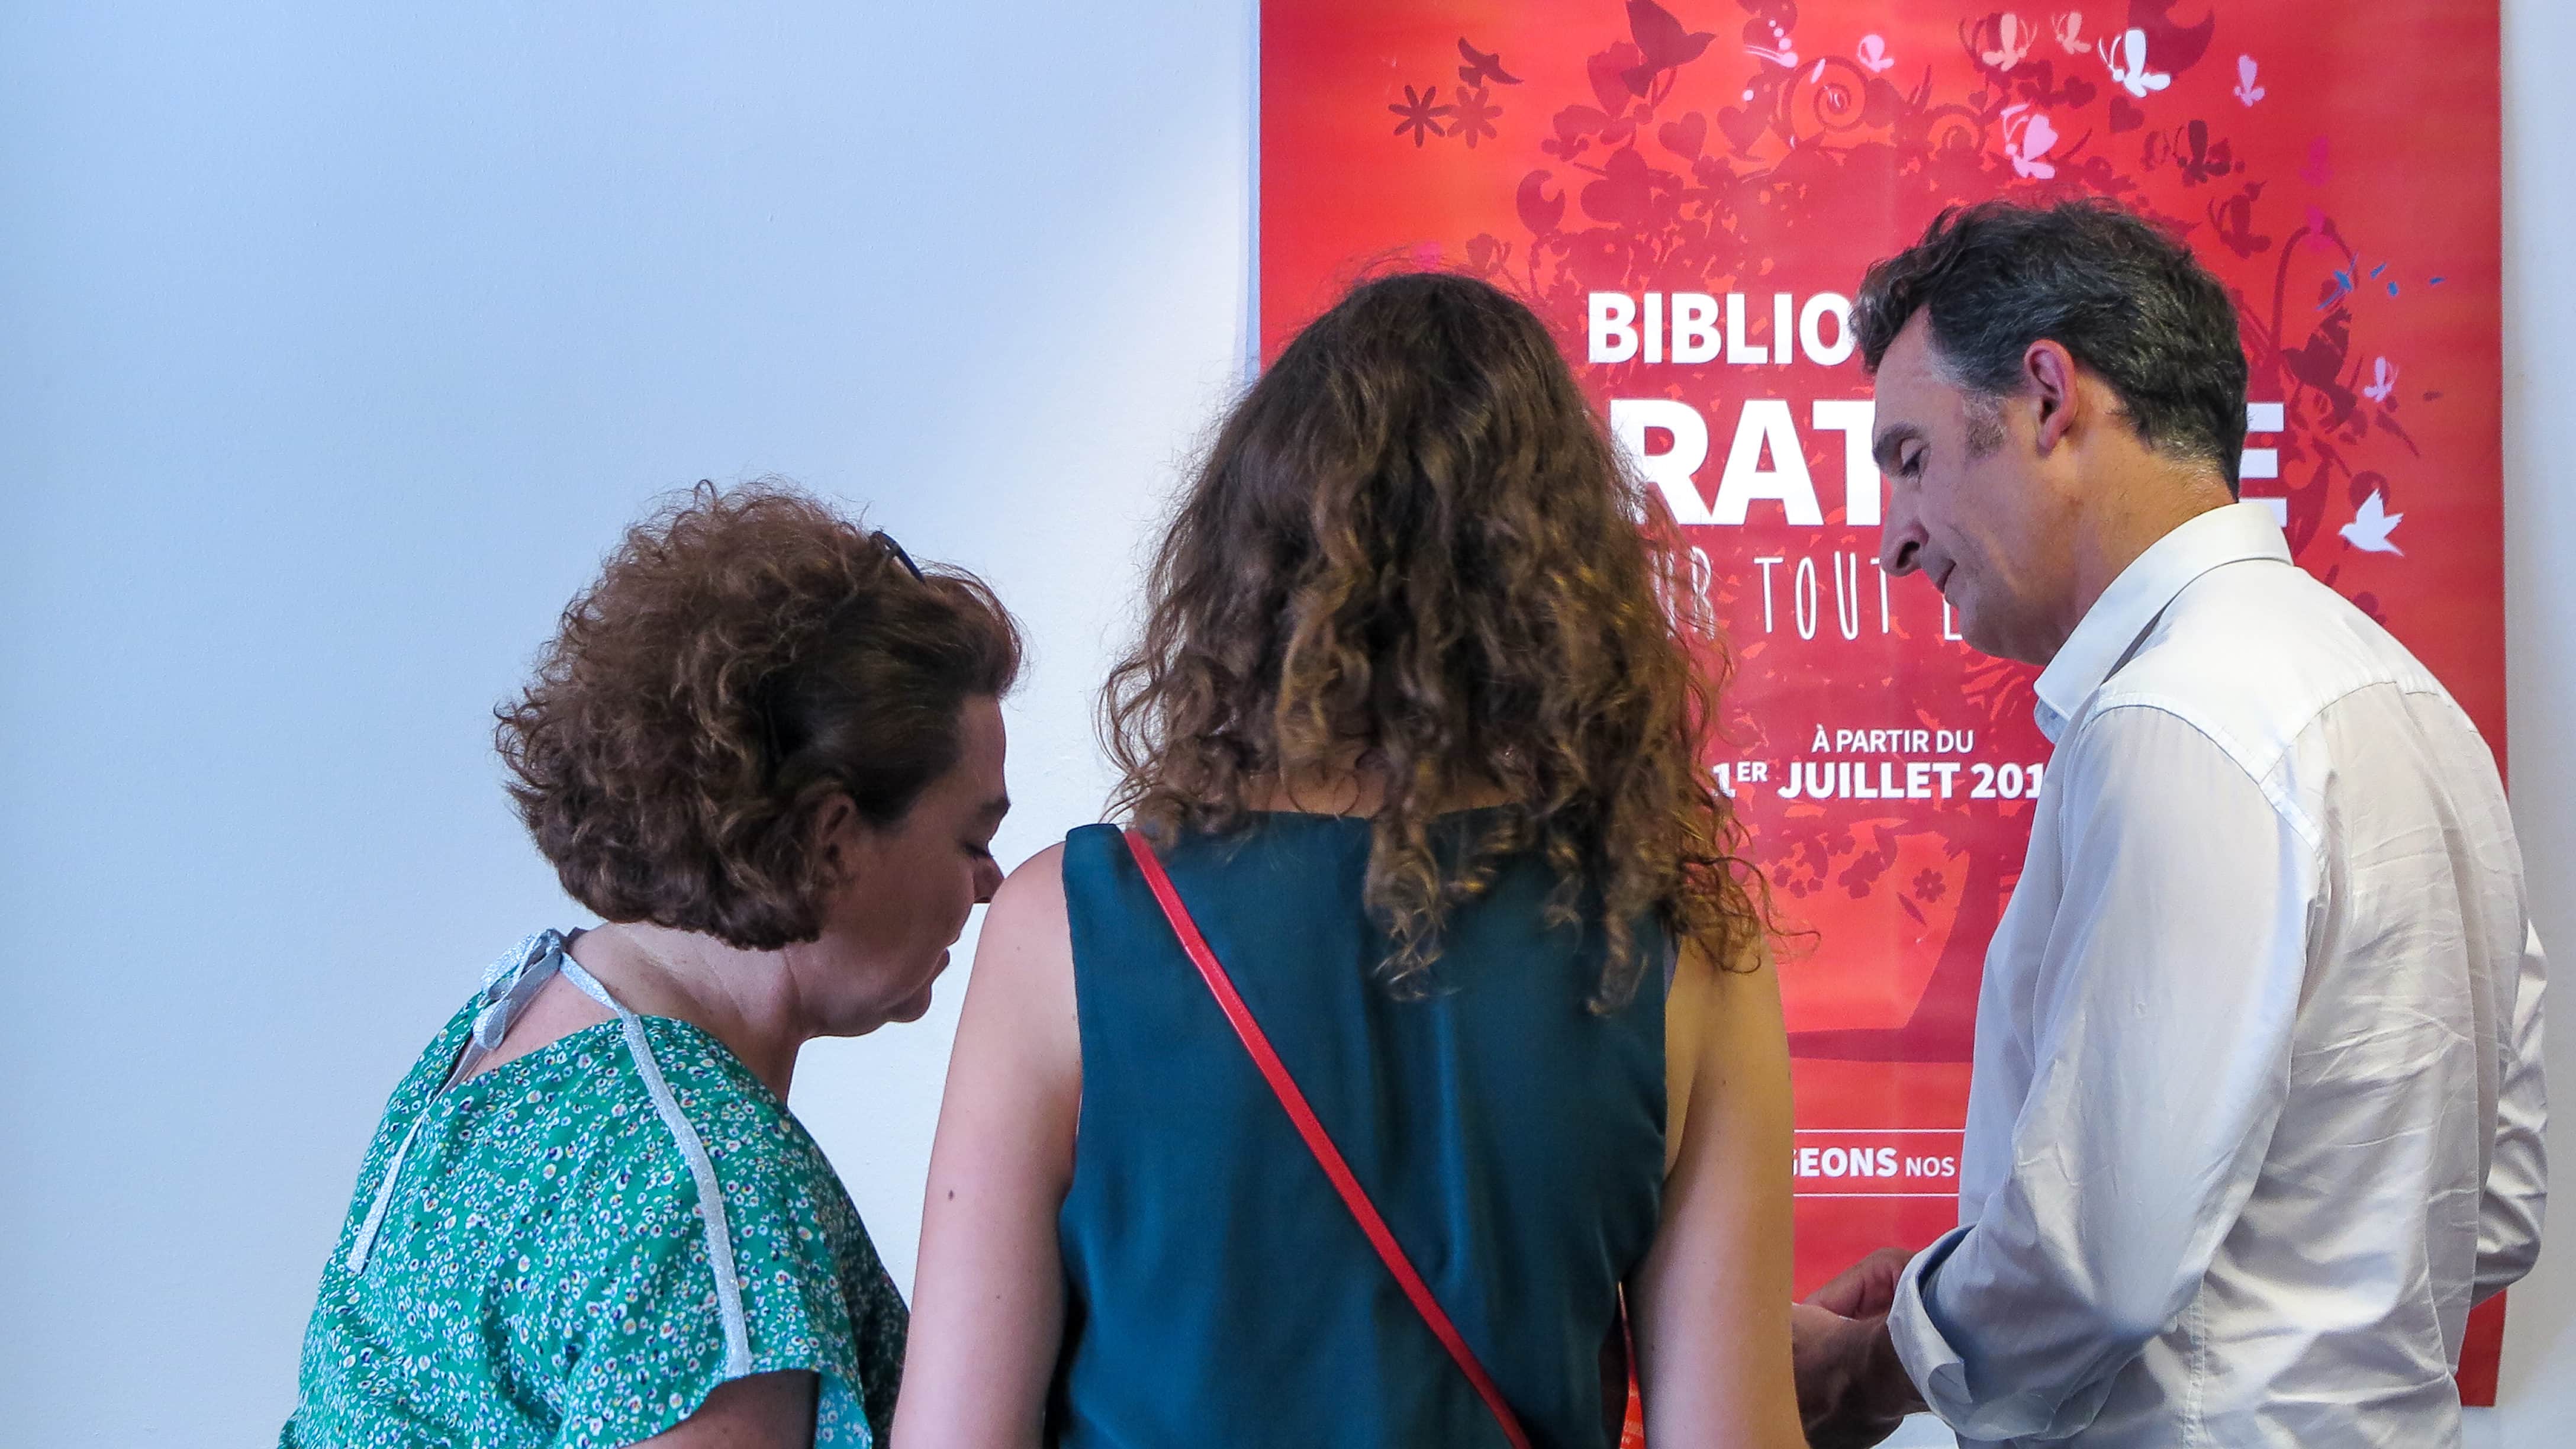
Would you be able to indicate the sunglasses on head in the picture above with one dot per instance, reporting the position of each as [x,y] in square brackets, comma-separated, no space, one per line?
[892,547]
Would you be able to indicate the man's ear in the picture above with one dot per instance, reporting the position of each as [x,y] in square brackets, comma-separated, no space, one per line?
[2048,369]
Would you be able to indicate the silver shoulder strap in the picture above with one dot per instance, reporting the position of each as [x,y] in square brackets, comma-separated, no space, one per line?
[711,1208]
[508,987]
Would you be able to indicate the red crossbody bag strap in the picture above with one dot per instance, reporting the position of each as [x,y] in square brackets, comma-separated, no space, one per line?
[1327,1156]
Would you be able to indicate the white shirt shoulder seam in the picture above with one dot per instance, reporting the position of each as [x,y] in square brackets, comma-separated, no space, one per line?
[2237,754]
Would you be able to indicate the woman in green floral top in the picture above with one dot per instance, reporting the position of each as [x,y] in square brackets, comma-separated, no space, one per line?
[768,750]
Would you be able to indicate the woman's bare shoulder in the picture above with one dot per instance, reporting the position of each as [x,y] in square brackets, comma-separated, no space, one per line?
[1029,905]
[1024,958]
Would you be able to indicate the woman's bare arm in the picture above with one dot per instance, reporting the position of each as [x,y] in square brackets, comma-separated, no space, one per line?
[1712,1300]
[988,1294]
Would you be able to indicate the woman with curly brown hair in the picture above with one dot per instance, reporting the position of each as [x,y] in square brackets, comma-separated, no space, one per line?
[767,750]
[1421,1016]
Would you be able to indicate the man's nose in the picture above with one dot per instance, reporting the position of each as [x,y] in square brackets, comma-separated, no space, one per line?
[1900,538]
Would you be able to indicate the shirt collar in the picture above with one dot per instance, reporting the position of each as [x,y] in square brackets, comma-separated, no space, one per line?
[2103,638]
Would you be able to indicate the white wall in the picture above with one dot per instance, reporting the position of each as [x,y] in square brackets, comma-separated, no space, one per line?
[2536,1406]
[334,348]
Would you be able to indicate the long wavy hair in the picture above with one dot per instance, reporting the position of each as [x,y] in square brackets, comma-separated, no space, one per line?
[1411,550]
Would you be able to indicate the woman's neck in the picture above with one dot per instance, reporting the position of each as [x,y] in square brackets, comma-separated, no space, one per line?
[744,999]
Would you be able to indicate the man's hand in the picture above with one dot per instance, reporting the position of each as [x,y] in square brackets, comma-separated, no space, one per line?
[1866,1289]
[1852,1389]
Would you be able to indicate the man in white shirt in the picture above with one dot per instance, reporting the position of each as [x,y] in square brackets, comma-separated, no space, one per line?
[2256,1110]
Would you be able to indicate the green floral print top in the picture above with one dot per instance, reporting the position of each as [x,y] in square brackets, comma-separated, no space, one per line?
[542,1272]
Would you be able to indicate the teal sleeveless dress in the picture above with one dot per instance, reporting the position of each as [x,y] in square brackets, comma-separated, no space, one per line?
[1217,1291]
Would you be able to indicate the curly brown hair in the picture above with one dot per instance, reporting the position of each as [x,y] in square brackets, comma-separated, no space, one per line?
[1411,543]
[745,657]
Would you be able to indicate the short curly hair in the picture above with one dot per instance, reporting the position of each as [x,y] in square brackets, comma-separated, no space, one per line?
[746,656]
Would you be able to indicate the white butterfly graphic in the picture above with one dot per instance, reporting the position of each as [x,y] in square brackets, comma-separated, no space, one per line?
[2383,382]
[2371,525]
[2246,90]
[2013,41]
[2027,139]
[2130,71]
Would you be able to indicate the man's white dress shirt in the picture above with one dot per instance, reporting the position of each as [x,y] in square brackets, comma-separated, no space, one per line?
[2256,1109]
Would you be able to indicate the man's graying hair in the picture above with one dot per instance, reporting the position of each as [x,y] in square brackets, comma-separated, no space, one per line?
[2129,302]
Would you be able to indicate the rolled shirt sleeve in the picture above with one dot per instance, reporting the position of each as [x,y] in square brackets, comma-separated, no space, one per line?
[2159,1025]
[2517,1185]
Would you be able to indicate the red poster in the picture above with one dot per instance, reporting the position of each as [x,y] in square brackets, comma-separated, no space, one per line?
[1689,193]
